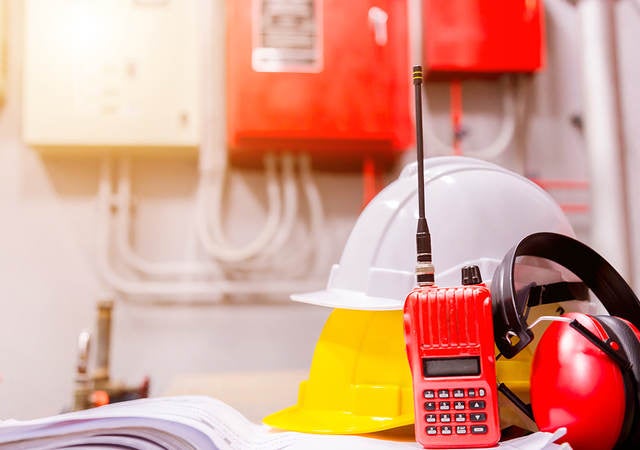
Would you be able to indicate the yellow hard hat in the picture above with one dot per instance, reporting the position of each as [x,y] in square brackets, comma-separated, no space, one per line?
[360,380]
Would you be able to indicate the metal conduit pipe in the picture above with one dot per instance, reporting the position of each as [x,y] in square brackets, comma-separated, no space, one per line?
[603,134]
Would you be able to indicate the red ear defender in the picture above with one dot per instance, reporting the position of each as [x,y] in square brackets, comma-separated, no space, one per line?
[586,369]
[576,385]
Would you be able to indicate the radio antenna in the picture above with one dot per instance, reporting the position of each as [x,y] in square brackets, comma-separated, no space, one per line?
[425,272]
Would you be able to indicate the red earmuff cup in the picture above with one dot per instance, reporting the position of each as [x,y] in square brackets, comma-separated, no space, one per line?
[569,376]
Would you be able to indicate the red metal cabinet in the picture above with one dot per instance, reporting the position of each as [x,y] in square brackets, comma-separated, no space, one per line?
[317,76]
[482,36]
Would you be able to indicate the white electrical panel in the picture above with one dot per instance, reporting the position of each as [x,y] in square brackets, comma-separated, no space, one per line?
[111,73]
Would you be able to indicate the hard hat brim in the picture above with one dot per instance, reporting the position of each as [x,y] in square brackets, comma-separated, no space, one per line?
[302,420]
[345,299]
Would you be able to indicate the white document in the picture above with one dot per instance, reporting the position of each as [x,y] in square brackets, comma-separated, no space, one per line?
[194,422]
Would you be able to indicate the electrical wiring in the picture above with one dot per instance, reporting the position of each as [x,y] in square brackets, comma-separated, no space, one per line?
[290,214]
[200,291]
[298,262]
[313,245]
[269,259]
[172,293]
[123,246]
[273,252]
[217,246]
[272,258]
[317,229]
[501,142]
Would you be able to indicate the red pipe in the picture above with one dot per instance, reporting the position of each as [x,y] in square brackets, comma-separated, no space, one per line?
[548,184]
[560,183]
[575,207]
[455,98]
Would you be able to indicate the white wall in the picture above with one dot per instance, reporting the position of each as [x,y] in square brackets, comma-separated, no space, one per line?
[48,283]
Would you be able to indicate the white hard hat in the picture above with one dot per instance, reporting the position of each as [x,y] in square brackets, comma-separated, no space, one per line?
[476,212]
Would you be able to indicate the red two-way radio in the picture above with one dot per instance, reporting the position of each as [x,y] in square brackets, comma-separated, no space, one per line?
[449,337]
[450,344]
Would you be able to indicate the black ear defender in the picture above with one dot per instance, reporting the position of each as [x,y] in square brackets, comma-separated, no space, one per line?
[585,372]
[512,333]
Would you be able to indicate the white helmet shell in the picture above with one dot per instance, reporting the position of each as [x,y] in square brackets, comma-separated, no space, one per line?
[476,212]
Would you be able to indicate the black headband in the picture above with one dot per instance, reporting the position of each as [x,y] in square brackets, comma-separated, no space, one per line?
[596,273]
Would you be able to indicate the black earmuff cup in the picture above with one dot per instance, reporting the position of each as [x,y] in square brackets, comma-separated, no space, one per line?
[621,333]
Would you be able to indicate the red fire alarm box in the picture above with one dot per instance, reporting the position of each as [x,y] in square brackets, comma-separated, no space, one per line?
[327,77]
[482,36]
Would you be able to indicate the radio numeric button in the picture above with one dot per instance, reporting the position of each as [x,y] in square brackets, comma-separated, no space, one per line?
[429,394]
[432,430]
[443,393]
[430,406]
[461,429]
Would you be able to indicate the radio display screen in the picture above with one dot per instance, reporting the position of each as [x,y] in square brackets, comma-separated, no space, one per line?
[450,367]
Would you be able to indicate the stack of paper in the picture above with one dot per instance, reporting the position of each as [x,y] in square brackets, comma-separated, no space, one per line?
[192,422]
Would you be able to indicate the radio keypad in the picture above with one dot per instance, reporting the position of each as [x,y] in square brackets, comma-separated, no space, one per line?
[469,422]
